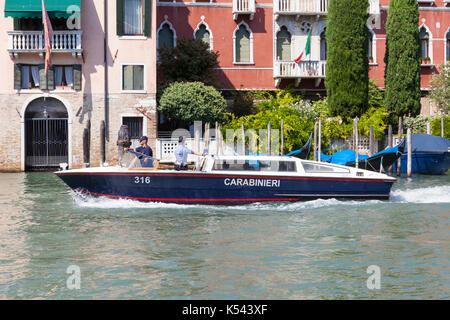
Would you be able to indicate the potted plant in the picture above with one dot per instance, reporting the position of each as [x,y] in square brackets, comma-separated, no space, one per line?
[370,59]
[423,60]
[428,60]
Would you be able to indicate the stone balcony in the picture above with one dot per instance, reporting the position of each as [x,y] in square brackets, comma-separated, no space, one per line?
[298,71]
[33,42]
[244,7]
[300,7]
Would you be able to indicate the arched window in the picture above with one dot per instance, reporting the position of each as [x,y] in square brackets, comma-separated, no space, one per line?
[283,44]
[447,48]
[203,34]
[165,36]
[243,45]
[323,45]
[370,46]
[424,42]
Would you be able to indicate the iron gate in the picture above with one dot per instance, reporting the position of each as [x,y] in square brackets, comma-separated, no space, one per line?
[46,143]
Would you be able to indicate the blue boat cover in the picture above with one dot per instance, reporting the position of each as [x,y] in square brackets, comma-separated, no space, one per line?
[347,155]
[324,157]
[426,143]
[387,150]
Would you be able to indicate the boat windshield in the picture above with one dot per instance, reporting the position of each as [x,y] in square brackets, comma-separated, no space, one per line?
[136,160]
[255,165]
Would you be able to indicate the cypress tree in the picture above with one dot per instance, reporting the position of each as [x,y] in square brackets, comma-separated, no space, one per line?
[402,58]
[347,76]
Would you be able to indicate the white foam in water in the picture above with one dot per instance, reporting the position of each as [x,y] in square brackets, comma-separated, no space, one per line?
[108,203]
[439,194]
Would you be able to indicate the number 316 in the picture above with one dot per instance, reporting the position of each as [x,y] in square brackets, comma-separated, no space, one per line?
[142,180]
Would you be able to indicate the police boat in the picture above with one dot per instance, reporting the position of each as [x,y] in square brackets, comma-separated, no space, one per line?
[229,180]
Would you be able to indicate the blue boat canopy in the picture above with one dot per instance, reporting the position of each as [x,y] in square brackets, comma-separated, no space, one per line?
[344,156]
[425,143]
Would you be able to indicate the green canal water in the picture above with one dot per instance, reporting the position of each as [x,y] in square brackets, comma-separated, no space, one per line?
[312,250]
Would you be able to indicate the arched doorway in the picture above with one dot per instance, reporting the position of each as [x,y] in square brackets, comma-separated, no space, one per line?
[46,134]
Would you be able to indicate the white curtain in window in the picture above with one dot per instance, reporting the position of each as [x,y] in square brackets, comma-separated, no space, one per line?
[58,76]
[35,75]
[132,22]
[69,75]
[25,76]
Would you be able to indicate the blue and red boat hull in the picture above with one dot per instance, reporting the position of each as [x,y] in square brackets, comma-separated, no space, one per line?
[222,189]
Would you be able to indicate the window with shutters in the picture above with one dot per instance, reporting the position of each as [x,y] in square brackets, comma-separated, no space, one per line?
[283,44]
[424,42]
[203,34]
[243,45]
[29,76]
[323,46]
[166,36]
[133,17]
[63,76]
[133,77]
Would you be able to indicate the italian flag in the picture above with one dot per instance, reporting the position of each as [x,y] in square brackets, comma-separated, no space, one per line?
[307,48]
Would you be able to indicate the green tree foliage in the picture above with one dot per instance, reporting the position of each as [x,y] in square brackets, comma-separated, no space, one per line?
[190,60]
[436,127]
[347,61]
[296,128]
[440,88]
[191,101]
[402,74]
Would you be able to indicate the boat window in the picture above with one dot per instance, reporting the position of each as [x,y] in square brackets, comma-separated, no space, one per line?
[255,165]
[321,168]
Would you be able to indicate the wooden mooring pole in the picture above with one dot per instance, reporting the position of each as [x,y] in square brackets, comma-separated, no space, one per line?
[371,140]
[87,144]
[389,144]
[268,139]
[282,137]
[319,142]
[428,128]
[356,142]
[400,133]
[315,141]
[243,137]
[102,143]
[409,163]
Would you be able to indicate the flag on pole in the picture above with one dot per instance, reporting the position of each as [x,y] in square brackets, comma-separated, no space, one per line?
[307,48]
[48,34]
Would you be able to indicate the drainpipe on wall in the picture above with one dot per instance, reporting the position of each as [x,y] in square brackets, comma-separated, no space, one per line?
[105,46]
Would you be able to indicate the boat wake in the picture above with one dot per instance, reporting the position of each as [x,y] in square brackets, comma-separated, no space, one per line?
[438,194]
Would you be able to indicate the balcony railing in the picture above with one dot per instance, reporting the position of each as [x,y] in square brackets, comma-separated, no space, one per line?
[33,41]
[243,7]
[300,7]
[304,69]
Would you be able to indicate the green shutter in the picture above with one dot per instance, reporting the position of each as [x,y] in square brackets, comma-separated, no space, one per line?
[242,45]
[77,76]
[138,78]
[17,76]
[147,18]
[119,6]
[16,24]
[51,79]
[42,77]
